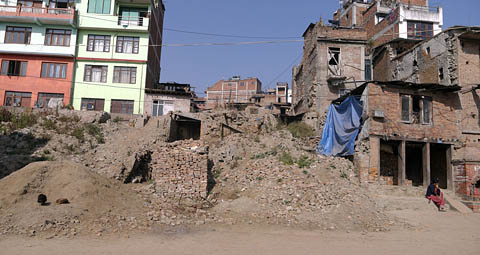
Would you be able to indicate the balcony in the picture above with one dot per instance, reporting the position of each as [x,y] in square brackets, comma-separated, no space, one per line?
[113,22]
[421,13]
[38,15]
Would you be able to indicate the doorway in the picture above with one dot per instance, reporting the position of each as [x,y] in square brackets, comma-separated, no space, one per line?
[414,163]
[439,163]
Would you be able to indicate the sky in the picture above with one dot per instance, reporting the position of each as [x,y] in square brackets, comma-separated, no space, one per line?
[245,21]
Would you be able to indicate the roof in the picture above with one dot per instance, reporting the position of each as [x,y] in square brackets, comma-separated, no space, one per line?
[400,84]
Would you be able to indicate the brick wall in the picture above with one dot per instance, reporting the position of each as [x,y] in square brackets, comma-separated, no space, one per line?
[180,170]
[387,99]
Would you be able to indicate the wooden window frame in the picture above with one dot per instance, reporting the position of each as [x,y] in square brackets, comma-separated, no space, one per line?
[51,32]
[120,47]
[132,74]
[88,71]
[92,38]
[10,30]
[45,70]
[126,105]
[22,67]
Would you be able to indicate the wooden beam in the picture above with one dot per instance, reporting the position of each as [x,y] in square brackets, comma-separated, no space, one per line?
[426,164]
[401,164]
[450,183]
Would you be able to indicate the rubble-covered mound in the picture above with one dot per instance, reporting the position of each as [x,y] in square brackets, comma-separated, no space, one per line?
[96,204]
[271,180]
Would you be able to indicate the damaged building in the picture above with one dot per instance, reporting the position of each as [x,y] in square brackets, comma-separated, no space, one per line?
[421,119]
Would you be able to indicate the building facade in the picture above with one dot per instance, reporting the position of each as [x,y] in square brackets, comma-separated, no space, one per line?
[117,57]
[168,97]
[233,90]
[37,54]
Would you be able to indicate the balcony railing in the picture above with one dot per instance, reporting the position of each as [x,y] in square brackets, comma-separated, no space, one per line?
[421,8]
[37,11]
[130,21]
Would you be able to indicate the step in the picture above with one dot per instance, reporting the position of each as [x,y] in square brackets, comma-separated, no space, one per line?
[455,204]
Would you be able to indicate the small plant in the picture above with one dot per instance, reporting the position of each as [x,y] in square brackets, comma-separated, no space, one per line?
[216,174]
[303,162]
[22,120]
[305,172]
[78,133]
[46,152]
[5,115]
[117,119]
[344,175]
[259,178]
[300,129]
[234,164]
[95,131]
[279,180]
[49,124]
[260,156]
[286,158]
[256,139]
[70,147]
[333,167]
[286,202]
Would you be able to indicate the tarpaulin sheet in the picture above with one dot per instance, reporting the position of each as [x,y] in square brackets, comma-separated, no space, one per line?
[341,128]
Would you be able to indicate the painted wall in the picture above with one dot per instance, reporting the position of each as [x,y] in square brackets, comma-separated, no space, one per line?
[180,103]
[110,90]
[32,82]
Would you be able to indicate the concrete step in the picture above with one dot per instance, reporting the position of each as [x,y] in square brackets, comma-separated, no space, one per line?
[455,204]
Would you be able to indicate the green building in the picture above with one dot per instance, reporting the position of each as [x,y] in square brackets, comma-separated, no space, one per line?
[118,54]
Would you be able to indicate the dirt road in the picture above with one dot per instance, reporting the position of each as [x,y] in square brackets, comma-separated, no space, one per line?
[434,233]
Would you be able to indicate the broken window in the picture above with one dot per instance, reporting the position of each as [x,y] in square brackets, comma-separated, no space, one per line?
[334,61]
[440,73]
[416,109]
[14,68]
[368,69]
[427,110]
[405,107]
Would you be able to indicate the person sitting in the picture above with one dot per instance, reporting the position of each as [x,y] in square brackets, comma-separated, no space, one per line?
[434,194]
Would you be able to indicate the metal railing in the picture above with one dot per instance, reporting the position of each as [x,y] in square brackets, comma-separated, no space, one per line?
[421,8]
[25,10]
[130,21]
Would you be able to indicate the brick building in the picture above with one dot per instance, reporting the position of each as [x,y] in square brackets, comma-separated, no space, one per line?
[167,97]
[430,120]
[233,90]
[333,59]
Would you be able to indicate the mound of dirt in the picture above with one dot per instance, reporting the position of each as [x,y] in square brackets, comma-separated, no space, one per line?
[96,203]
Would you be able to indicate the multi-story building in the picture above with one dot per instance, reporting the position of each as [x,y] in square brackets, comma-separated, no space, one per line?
[233,90]
[37,53]
[117,57]
[281,92]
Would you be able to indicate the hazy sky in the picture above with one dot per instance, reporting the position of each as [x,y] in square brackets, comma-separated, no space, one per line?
[275,20]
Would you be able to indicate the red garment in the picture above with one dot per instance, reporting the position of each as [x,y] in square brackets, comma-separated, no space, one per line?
[438,200]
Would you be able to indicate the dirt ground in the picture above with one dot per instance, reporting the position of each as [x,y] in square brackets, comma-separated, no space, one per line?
[430,231]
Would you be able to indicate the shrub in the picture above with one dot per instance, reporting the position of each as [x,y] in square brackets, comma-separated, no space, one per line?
[78,133]
[22,120]
[5,115]
[286,158]
[49,124]
[95,131]
[300,129]
[304,161]
[117,119]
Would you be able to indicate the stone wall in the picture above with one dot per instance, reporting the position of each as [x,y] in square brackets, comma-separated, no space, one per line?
[180,170]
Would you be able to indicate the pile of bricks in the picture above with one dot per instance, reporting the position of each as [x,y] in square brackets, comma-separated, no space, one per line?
[180,170]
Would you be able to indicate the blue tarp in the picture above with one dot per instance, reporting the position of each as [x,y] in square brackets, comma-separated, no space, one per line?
[341,128]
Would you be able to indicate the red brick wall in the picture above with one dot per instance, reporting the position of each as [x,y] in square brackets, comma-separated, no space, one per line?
[469,62]
[388,100]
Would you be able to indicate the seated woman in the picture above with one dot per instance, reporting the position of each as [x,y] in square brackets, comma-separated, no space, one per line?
[434,194]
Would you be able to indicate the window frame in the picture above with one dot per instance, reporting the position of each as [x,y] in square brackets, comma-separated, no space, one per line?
[88,72]
[67,33]
[10,30]
[422,111]
[103,9]
[127,104]
[45,72]
[120,47]
[22,68]
[118,70]
[92,38]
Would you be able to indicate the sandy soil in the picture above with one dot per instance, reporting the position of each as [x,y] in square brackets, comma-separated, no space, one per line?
[436,233]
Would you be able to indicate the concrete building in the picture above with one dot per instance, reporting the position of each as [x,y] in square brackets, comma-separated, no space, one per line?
[37,54]
[281,91]
[115,62]
[233,90]
[167,97]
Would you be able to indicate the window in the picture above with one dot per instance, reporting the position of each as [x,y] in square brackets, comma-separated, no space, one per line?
[334,61]
[123,74]
[54,70]
[162,107]
[95,73]
[18,35]
[122,106]
[92,104]
[127,44]
[99,6]
[427,110]
[58,37]
[44,99]
[405,107]
[98,43]
[417,109]
[419,30]
[440,73]
[18,99]
[368,69]
[242,84]
[14,68]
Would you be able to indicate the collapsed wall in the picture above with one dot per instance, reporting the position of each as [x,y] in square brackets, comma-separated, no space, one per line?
[180,169]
